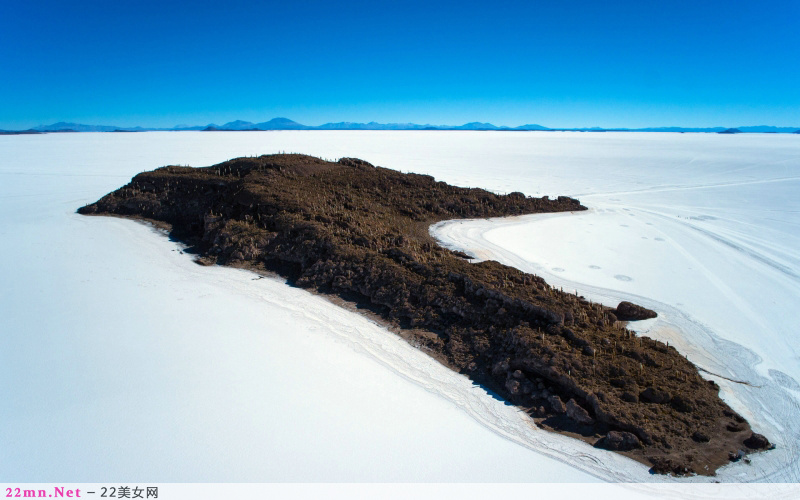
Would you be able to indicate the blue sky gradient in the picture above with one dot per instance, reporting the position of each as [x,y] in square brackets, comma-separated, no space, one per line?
[559,64]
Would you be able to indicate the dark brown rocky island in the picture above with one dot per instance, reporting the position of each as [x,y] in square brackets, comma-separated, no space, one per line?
[361,233]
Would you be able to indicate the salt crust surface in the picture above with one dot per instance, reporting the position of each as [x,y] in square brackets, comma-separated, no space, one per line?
[123,359]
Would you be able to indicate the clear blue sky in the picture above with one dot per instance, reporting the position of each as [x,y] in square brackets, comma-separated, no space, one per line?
[556,63]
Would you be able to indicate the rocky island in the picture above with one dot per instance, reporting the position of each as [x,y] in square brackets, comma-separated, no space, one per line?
[360,233]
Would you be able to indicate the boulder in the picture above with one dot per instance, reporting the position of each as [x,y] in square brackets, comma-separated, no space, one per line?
[619,441]
[627,311]
[526,386]
[653,395]
[500,367]
[682,404]
[513,386]
[578,414]
[556,404]
[664,465]
[757,442]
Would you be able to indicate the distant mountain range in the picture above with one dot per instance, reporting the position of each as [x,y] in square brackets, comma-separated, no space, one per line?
[287,124]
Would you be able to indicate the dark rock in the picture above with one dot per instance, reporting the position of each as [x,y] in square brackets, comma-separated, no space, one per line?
[700,437]
[619,441]
[500,367]
[735,427]
[627,311]
[578,413]
[653,395]
[461,254]
[556,404]
[735,416]
[682,404]
[663,465]
[513,386]
[757,442]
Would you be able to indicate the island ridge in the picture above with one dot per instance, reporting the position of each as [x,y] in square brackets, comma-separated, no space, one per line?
[359,232]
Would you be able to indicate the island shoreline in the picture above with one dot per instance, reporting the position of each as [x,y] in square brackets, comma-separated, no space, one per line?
[556,419]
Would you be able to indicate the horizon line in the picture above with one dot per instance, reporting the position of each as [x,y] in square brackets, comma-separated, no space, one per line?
[282,123]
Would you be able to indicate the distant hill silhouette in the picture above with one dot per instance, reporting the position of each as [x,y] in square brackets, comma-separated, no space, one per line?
[19,132]
[282,123]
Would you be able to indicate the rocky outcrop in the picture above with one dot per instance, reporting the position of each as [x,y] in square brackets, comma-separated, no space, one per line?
[361,232]
[619,441]
[556,405]
[627,311]
[757,442]
[578,414]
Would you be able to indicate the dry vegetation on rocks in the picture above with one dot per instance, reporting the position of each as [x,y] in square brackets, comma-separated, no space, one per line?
[361,232]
